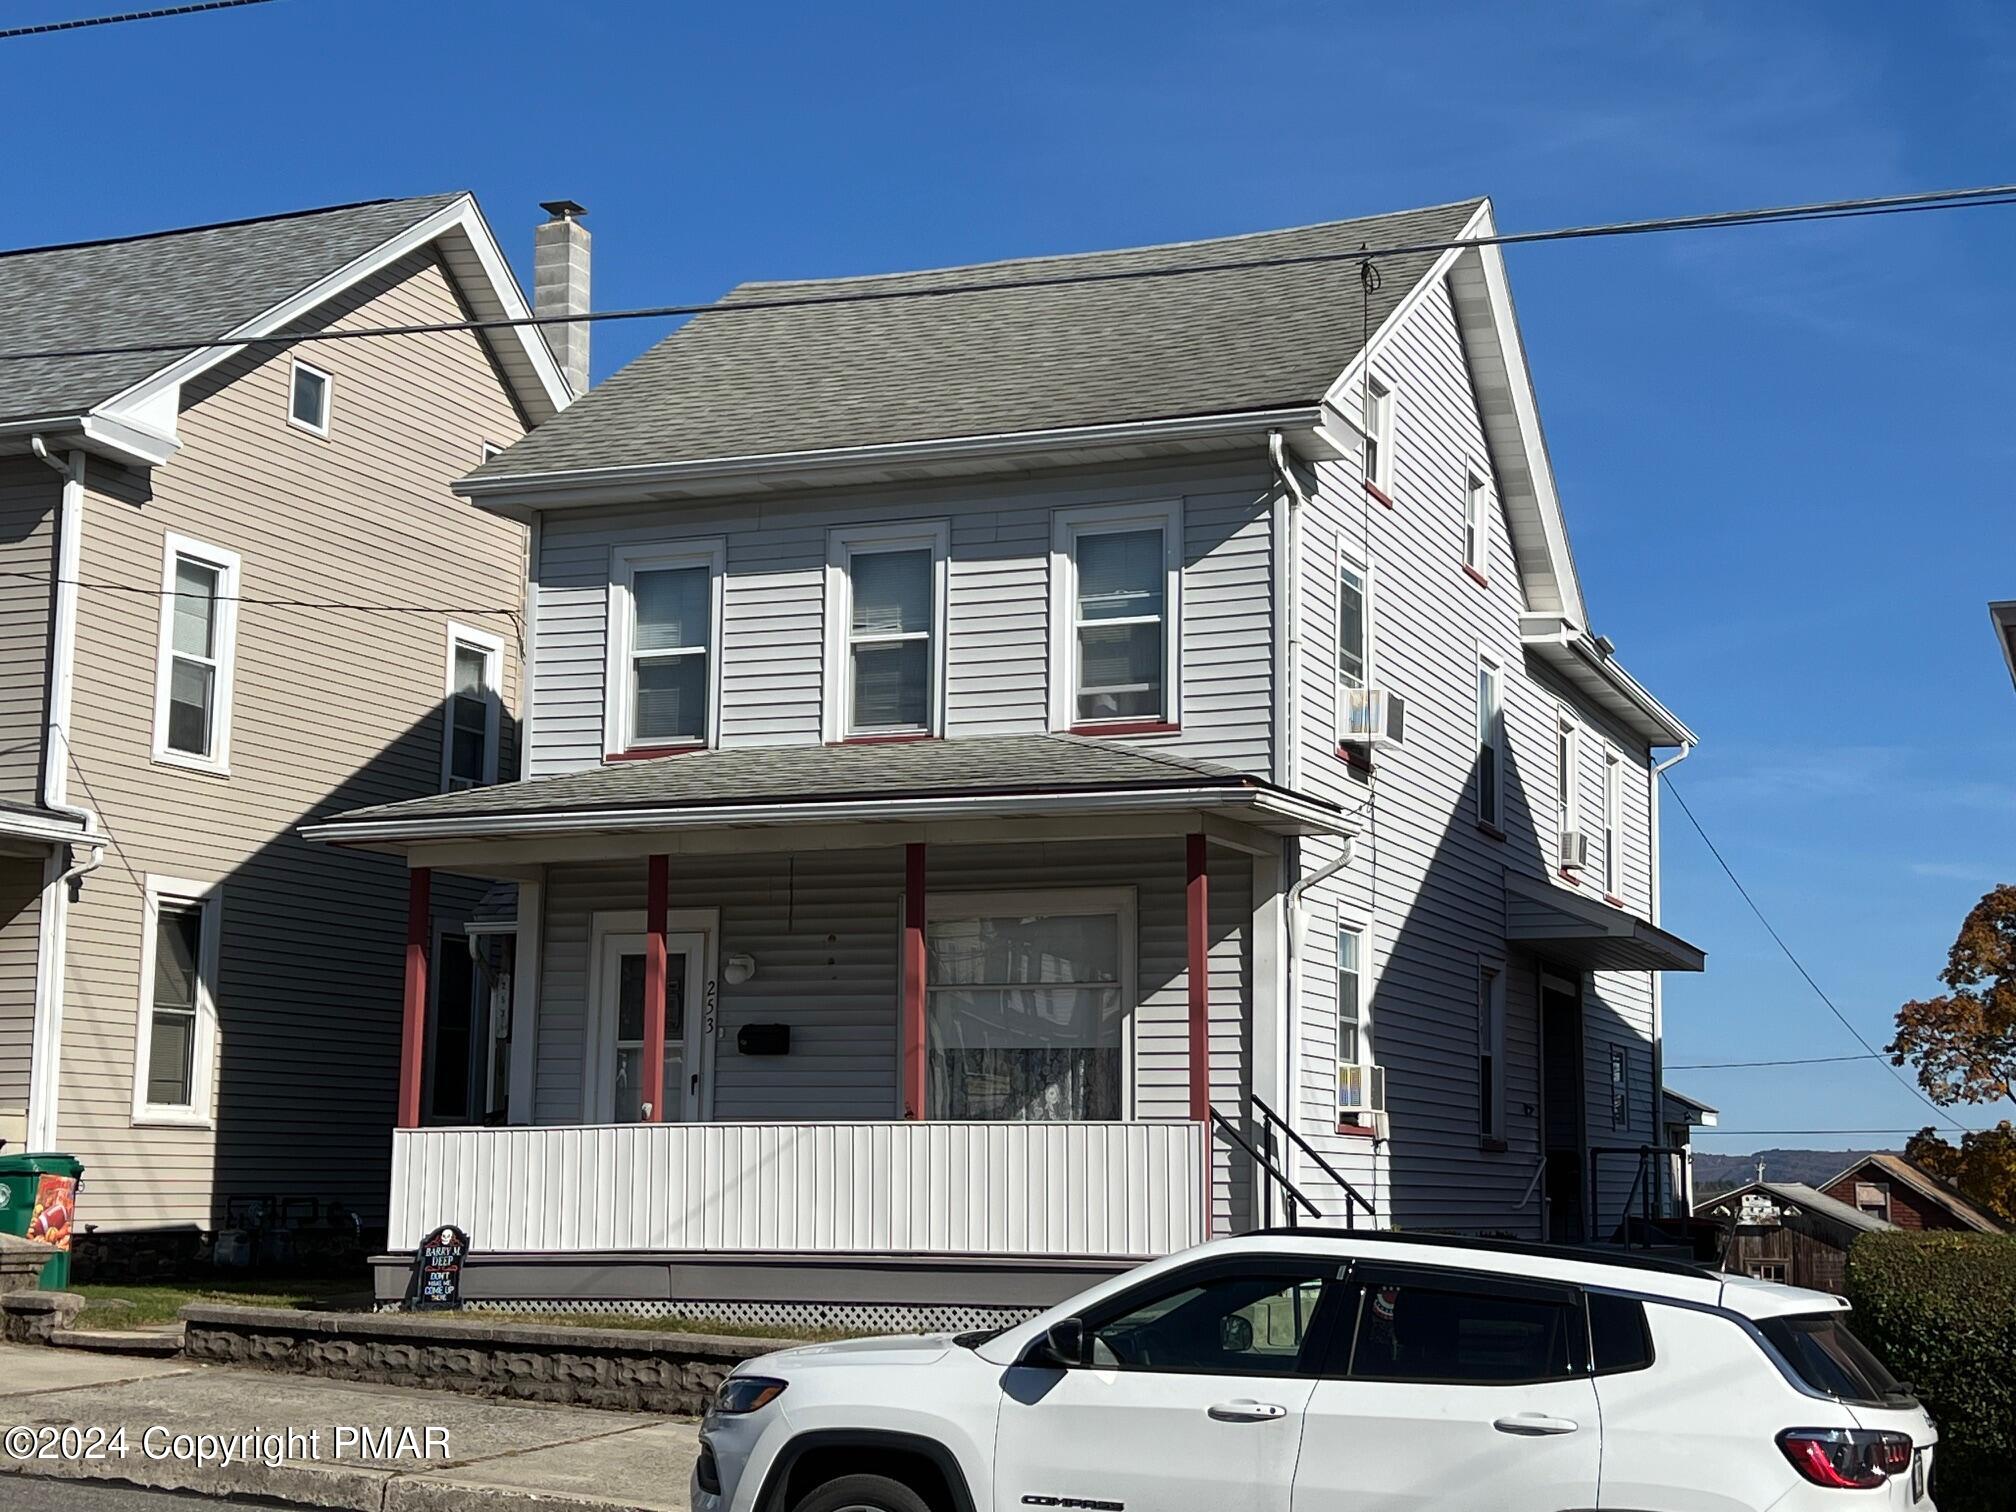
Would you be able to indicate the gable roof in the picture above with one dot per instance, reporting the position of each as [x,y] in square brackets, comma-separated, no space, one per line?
[844,375]
[209,284]
[1926,1185]
[1799,1194]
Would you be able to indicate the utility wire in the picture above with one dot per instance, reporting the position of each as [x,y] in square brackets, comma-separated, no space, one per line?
[1809,1060]
[1896,204]
[1800,966]
[47,27]
[148,590]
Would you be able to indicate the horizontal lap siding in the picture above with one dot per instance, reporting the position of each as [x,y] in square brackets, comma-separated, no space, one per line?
[332,710]
[30,495]
[1427,882]
[824,932]
[997,611]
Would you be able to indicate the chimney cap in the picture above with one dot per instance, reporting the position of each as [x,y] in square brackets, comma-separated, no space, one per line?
[563,209]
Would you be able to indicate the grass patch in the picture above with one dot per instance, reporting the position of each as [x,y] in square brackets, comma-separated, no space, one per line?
[113,1306]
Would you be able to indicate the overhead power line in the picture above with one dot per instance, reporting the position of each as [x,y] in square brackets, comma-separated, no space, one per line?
[1800,966]
[1896,204]
[160,14]
[1804,1060]
[149,590]
[1761,1133]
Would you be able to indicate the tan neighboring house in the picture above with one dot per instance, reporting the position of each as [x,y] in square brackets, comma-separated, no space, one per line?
[236,593]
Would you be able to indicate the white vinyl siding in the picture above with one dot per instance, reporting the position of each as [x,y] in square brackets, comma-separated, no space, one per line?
[471,709]
[175,1047]
[664,663]
[196,655]
[886,617]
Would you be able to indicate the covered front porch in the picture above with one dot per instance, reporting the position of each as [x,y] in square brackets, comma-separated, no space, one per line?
[849,1010]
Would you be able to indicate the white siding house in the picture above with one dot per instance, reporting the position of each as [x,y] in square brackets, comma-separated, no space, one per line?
[979,722]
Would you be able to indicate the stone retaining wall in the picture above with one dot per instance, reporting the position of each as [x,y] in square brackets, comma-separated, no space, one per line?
[585,1367]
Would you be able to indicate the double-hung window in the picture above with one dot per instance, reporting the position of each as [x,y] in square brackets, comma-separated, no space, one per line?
[177,1040]
[1378,419]
[1354,1028]
[308,398]
[1613,824]
[1491,1052]
[1476,521]
[1620,1088]
[199,618]
[1567,759]
[885,604]
[472,709]
[1490,742]
[664,647]
[1116,584]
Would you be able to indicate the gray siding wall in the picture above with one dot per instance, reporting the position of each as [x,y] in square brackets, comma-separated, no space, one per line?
[20,913]
[1427,884]
[30,495]
[998,605]
[824,929]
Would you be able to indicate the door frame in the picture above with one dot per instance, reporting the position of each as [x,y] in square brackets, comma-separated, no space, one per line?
[451,936]
[702,928]
[1552,980]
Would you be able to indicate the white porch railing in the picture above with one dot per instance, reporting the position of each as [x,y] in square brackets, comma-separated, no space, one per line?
[943,1188]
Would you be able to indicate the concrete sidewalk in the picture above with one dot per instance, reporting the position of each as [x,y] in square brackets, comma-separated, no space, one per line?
[462,1453]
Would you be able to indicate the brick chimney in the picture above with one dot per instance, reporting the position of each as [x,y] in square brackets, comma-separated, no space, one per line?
[560,285]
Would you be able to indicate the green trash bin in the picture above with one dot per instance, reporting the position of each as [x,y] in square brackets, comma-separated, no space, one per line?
[39,1192]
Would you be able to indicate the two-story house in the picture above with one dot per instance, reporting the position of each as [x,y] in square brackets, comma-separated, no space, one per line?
[237,592]
[1037,774]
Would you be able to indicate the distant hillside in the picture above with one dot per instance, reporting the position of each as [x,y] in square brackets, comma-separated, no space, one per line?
[1719,1173]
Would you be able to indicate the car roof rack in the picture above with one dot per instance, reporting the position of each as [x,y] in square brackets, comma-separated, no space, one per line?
[1491,1246]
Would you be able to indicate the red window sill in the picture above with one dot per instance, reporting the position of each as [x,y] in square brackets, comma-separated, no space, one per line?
[1570,878]
[1490,830]
[1138,727]
[1493,1146]
[1614,901]
[652,753]
[1378,493]
[1475,576]
[901,737]
[1358,1131]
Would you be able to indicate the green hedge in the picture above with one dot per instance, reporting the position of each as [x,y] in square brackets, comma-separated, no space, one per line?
[1941,1311]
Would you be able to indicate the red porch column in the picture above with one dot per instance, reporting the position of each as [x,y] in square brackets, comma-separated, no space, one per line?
[413,1027]
[913,981]
[657,884]
[1197,896]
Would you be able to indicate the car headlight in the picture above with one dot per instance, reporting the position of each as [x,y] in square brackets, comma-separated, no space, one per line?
[740,1394]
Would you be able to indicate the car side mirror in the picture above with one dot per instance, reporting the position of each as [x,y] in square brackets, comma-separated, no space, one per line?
[1064,1345]
[1235,1334]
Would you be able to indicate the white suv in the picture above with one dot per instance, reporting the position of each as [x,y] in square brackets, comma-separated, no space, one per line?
[1319,1370]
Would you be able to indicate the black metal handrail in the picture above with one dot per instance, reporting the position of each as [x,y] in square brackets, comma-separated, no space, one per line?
[1641,1192]
[1263,1164]
[1353,1198]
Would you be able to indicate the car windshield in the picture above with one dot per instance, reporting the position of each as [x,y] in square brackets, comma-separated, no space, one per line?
[1830,1359]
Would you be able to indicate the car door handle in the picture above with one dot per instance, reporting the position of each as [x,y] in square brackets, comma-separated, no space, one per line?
[1248,1412]
[1535,1424]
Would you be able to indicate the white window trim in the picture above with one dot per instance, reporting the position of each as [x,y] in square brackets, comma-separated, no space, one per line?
[1486,661]
[598,1069]
[1491,1036]
[1380,476]
[842,544]
[227,567]
[1367,1048]
[625,563]
[1064,902]
[1349,559]
[1477,519]
[1612,839]
[199,1114]
[297,366]
[1568,782]
[1066,526]
[488,451]
[493,684]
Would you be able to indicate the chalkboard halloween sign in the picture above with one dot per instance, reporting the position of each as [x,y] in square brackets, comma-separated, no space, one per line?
[437,1271]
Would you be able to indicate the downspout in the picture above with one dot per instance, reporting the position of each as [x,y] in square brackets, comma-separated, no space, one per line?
[1659,769]
[1288,619]
[1292,969]
[62,872]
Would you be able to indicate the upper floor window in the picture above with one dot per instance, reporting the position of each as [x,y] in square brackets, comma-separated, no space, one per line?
[665,631]
[1491,1052]
[488,451]
[1476,520]
[1490,742]
[308,398]
[1378,420]
[193,674]
[1567,758]
[1116,578]
[886,614]
[1354,627]
[1613,823]
[177,1042]
[472,710]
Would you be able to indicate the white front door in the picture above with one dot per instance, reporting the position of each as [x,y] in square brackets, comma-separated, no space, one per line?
[618,1081]
[1192,1400]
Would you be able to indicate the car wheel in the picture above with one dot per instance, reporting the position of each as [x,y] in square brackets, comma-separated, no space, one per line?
[862,1493]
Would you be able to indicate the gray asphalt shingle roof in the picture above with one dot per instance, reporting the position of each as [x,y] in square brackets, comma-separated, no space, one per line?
[192,285]
[999,765]
[824,376]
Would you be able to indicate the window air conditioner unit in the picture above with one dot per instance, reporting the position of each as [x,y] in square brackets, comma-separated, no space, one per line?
[1574,851]
[1361,1089]
[1373,716]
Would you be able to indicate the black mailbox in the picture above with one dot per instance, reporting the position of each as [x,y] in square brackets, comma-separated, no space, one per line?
[763,1039]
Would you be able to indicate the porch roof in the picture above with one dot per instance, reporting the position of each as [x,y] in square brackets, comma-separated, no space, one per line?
[1588,933]
[982,777]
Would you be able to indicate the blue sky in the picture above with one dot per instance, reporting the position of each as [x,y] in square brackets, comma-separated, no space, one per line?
[1785,454]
